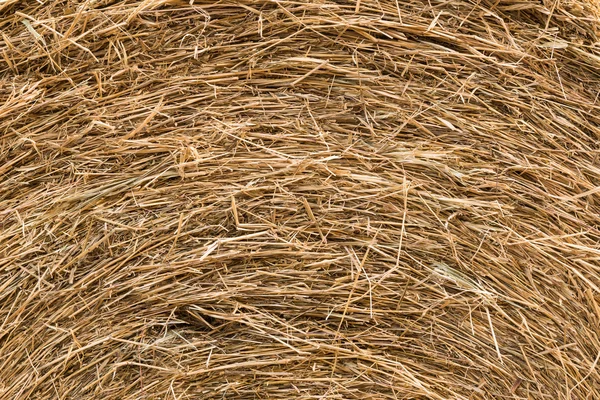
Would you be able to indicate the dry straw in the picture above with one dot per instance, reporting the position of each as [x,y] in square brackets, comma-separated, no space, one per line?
[373,199]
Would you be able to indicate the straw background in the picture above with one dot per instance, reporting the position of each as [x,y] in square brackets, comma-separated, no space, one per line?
[248,199]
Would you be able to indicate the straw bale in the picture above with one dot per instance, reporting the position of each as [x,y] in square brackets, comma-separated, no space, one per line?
[314,199]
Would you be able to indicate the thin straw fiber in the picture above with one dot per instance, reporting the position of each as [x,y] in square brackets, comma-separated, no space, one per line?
[314,199]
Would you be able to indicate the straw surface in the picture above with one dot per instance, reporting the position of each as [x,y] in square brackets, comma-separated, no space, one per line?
[367,199]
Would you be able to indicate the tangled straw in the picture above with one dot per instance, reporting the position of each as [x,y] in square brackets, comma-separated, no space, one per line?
[321,199]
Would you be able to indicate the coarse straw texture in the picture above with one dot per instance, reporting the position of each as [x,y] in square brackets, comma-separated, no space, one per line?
[322,199]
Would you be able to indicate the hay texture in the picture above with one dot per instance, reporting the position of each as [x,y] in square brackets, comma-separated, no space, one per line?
[366,199]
